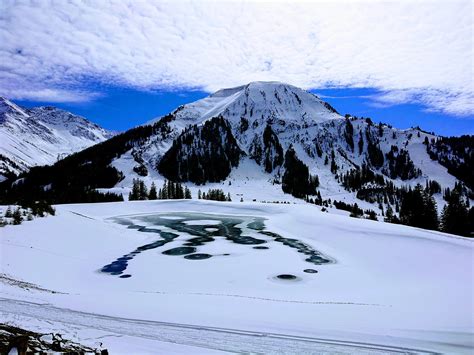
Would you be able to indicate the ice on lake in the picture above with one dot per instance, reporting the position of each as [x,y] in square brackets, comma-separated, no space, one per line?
[193,230]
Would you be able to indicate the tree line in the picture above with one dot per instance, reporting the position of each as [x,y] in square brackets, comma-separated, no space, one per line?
[169,191]
[214,194]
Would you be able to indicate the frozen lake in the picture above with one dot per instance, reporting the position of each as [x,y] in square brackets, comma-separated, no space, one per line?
[203,276]
[189,232]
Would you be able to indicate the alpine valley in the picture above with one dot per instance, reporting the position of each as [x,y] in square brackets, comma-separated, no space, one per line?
[264,141]
[282,268]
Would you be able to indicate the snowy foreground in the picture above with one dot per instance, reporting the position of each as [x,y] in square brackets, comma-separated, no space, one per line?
[387,289]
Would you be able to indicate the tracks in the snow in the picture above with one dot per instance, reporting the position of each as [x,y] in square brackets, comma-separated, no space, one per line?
[204,337]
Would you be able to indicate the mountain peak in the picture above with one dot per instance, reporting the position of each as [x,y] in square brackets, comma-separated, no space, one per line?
[254,86]
[259,102]
[39,135]
[6,106]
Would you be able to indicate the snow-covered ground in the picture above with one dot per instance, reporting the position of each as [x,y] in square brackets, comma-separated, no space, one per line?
[394,286]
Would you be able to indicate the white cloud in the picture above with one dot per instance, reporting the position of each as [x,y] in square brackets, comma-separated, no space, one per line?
[420,52]
[449,102]
[33,93]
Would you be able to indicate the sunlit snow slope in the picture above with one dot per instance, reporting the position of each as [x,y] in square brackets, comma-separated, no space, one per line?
[41,136]
[386,286]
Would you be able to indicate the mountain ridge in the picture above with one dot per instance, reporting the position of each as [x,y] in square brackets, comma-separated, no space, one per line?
[237,139]
[41,135]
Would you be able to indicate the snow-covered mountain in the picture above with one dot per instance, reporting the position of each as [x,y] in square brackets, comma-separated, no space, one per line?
[264,116]
[267,141]
[41,135]
[248,109]
[258,102]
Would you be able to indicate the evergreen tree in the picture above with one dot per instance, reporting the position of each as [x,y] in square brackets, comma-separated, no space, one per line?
[202,153]
[187,193]
[8,212]
[348,134]
[361,143]
[470,218]
[152,194]
[216,195]
[432,187]
[296,180]
[430,214]
[135,193]
[165,190]
[334,166]
[418,209]
[272,150]
[356,211]
[454,218]
[143,190]
[389,214]
[171,190]
[199,194]
[179,191]
[17,217]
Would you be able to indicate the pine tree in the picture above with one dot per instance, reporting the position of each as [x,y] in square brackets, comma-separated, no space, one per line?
[228,197]
[179,191]
[470,218]
[171,190]
[152,194]
[199,194]
[8,212]
[430,213]
[143,190]
[296,180]
[361,142]
[356,211]
[389,214]
[135,193]
[187,193]
[348,134]
[164,190]
[17,217]
[454,218]
[419,209]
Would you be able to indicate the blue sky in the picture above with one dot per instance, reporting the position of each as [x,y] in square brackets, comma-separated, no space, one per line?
[123,108]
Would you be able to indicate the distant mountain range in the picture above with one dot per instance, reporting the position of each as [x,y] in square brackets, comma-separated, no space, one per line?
[264,141]
[41,135]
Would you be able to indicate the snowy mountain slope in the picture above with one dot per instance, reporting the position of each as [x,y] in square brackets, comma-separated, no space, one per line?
[387,284]
[248,109]
[257,101]
[198,143]
[316,132]
[41,136]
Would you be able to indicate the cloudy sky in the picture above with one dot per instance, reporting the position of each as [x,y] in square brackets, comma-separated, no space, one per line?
[405,60]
